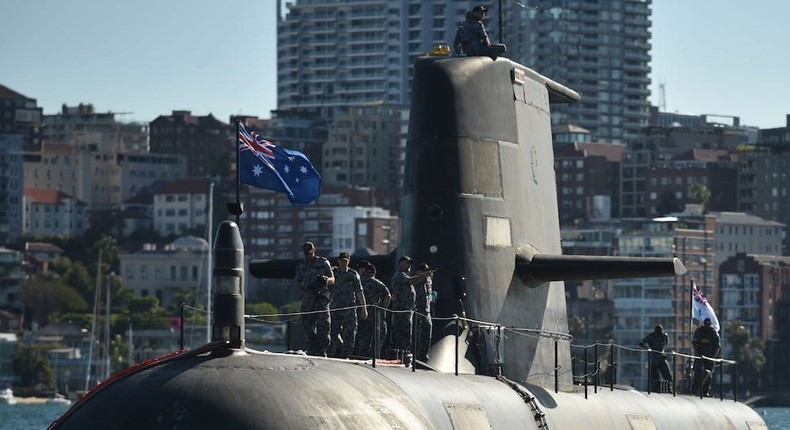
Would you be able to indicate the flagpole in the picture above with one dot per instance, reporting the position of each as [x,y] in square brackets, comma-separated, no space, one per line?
[691,315]
[237,208]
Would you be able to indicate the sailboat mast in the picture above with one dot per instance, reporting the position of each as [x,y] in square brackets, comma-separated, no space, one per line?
[209,221]
[107,332]
[93,323]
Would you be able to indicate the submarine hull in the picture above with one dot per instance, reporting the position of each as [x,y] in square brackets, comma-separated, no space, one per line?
[252,390]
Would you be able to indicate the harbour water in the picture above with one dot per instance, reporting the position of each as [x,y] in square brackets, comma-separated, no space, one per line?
[40,416]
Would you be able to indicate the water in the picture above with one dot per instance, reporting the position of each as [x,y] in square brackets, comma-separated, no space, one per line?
[29,416]
[40,416]
[775,418]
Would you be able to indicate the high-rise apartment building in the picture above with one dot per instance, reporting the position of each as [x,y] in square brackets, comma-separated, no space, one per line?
[346,52]
[600,48]
[332,54]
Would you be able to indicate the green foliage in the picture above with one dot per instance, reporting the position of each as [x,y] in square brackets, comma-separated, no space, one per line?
[748,352]
[139,304]
[46,296]
[290,308]
[32,367]
[266,310]
[699,193]
[77,277]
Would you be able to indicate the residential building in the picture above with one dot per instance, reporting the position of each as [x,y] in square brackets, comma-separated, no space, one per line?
[708,176]
[62,167]
[90,131]
[39,255]
[754,290]
[600,49]
[181,205]
[738,232]
[657,144]
[363,147]
[117,176]
[763,177]
[349,231]
[206,142]
[20,116]
[52,213]
[12,277]
[587,175]
[178,270]
[345,53]
[11,180]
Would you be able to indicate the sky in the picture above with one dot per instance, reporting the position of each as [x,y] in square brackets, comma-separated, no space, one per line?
[146,58]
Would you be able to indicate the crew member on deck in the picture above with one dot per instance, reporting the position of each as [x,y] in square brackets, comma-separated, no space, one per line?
[313,280]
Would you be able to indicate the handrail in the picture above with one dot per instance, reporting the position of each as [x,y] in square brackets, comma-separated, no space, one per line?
[470,323]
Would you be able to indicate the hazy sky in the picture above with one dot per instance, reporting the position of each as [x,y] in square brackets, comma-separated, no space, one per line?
[150,57]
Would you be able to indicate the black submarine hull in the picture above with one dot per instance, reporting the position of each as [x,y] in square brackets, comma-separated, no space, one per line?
[252,390]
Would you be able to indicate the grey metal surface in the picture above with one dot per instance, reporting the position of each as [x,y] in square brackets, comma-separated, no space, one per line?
[249,390]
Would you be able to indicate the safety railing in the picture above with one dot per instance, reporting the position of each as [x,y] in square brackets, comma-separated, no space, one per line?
[586,371]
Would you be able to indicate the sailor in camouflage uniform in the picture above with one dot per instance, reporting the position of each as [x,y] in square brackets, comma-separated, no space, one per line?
[422,318]
[313,280]
[376,294]
[472,39]
[346,295]
[403,302]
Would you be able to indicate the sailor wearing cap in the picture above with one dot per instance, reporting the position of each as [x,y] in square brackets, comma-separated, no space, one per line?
[472,39]
[346,295]
[403,303]
[377,297]
[313,280]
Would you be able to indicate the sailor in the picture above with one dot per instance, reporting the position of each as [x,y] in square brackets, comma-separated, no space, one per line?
[313,280]
[376,294]
[403,304]
[346,295]
[659,368]
[706,343]
[422,318]
[471,38]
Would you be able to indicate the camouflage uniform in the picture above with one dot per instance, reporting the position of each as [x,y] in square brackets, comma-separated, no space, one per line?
[402,300]
[316,325]
[422,319]
[344,322]
[470,39]
[375,291]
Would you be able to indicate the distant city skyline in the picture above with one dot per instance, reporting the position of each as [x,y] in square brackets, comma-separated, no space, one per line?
[147,58]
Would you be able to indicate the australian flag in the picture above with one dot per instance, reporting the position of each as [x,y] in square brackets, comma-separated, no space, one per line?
[263,164]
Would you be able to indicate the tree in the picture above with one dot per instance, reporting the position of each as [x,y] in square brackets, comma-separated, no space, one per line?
[747,352]
[699,193]
[32,367]
[46,296]
[266,310]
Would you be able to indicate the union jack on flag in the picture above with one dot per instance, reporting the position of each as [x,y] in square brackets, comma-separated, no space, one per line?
[701,309]
[265,165]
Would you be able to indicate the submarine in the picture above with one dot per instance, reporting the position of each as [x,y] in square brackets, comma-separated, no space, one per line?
[478,203]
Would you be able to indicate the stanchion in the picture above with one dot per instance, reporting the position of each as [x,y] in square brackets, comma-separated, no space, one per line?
[597,368]
[586,372]
[556,367]
[457,336]
[376,333]
[183,306]
[611,367]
